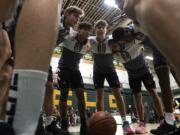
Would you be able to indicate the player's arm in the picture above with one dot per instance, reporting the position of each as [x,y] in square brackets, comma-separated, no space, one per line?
[88,47]
[90,44]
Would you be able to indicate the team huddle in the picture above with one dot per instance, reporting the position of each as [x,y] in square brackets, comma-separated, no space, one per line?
[26,74]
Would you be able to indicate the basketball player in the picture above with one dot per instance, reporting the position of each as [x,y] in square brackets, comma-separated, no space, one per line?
[155,23]
[34,30]
[9,64]
[126,46]
[6,63]
[5,76]
[103,68]
[70,18]
[162,69]
[48,105]
[159,28]
[68,21]
[73,48]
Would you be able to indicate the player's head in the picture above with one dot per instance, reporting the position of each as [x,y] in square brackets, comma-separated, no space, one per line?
[124,34]
[84,29]
[120,37]
[72,15]
[101,27]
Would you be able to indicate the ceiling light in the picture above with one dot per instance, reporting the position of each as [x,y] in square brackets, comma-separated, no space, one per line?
[149,58]
[111,3]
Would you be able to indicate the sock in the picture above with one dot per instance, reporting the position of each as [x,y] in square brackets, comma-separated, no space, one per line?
[26,99]
[49,120]
[169,117]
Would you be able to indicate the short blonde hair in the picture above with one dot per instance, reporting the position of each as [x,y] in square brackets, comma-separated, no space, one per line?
[74,9]
[101,23]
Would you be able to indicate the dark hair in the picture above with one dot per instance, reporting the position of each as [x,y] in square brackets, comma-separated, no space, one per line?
[101,23]
[121,32]
[85,25]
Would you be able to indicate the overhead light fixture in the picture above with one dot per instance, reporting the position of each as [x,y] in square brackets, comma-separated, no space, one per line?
[149,58]
[111,3]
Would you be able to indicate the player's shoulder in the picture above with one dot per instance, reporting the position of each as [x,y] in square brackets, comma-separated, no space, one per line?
[92,40]
[72,32]
[92,37]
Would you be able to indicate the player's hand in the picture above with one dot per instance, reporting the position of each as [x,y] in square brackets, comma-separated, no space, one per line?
[5,47]
[87,47]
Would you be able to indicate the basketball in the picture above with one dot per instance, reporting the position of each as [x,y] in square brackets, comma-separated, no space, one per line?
[102,123]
